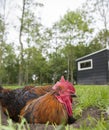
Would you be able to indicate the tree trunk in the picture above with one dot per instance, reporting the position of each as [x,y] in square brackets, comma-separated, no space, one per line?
[3,39]
[26,74]
[68,68]
[21,73]
[71,68]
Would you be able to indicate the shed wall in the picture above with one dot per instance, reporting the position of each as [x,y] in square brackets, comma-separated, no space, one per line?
[99,73]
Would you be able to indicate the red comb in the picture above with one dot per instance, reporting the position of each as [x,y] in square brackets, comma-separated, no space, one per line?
[62,79]
[65,84]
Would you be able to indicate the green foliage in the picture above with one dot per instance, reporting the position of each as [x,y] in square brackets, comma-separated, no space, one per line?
[7,64]
[91,96]
[2,28]
[15,126]
[100,40]
[35,63]
[75,20]
[71,30]
[74,26]
[57,65]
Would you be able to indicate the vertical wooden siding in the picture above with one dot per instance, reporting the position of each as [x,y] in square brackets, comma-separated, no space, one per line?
[99,73]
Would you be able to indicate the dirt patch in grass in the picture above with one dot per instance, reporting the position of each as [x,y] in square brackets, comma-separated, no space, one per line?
[90,116]
[93,112]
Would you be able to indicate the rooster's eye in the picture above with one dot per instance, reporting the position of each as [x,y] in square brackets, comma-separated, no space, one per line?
[57,94]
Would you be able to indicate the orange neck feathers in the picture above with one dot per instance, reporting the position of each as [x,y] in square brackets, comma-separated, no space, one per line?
[65,89]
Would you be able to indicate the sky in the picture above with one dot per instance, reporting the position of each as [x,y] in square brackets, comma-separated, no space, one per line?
[49,13]
[54,9]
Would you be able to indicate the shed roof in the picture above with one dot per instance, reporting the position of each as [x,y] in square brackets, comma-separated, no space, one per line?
[92,53]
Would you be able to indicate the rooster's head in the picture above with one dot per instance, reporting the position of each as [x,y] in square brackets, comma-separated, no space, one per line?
[65,92]
[65,86]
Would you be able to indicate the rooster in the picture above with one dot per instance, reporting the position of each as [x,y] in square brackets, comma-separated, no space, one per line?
[13,101]
[53,107]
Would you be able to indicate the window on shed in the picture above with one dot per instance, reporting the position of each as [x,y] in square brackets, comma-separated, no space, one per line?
[84,65]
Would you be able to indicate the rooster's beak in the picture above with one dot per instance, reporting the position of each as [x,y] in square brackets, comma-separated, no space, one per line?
[73,95]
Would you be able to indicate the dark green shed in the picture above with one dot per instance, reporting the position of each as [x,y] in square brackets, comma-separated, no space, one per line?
[93,68]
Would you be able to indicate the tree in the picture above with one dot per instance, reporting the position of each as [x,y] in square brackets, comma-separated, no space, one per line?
[70,59]
[74,26]
[3,20]
[98,41]
[21,63]
[102,6]
[2,43]
[72,29]
[29,32]
[10,64]
[6,50]
[35,64]
[56,65]
[2,68]
[98,10]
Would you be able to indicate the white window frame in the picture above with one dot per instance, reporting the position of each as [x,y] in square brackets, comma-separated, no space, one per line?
[86,68]
[108,65]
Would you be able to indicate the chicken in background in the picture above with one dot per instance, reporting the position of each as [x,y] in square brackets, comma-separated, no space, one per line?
[53,107]
[13,101]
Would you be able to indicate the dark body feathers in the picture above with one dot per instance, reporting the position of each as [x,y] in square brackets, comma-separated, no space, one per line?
[13,101]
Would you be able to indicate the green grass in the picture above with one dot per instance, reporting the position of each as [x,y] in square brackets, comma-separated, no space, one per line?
[15,126]
[91,96]
[87,96]
[12,87]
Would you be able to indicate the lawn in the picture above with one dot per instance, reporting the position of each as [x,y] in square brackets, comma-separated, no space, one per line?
[90,108]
